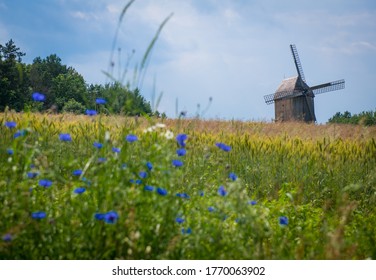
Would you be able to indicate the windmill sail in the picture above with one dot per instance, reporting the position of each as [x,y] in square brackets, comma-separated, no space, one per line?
[332,86]
[298,65]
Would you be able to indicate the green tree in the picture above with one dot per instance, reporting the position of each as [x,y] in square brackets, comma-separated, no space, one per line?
[42,75]
[13,77]
[69,86]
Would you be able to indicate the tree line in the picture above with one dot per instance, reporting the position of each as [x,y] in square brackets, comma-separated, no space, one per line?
[366,118]
[64,89]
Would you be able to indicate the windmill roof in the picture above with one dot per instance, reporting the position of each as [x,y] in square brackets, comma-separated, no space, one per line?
[292,84]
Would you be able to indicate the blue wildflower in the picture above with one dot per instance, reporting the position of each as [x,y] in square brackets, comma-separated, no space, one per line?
[7,237]
[143,174]
[39,97]
[77,172]
[149,165]
[65,137]
[252,202]
[45,183]
[201,193]
[10,124]
[179,220]
[137,182]
[211,209]
[19,133]
[131,138]
[124,165]
[116,150]
[233,176]
[149,188]
[161,191]
[10,151]
[186,231]
[222,191]
[98,145]
[102,160]
[183,195]
[79,190]
[99,216]
[32,175]
[283,221]
[111,217]
[181,152]
[181,138]
[100,101]
[38,215]
[223,147]
[90,112]
[177,163]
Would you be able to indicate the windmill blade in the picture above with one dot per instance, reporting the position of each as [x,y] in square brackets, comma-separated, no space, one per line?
[270,98]
[332,86]
[298,65]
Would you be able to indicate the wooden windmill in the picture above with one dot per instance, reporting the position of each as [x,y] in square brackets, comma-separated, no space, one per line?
[293,100]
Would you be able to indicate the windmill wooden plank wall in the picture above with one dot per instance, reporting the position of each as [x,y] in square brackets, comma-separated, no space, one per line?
[294,99]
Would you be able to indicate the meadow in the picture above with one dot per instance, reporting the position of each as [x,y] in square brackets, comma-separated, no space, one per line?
[111,187]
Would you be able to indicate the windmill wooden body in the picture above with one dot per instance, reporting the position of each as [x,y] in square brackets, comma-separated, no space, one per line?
[294,99]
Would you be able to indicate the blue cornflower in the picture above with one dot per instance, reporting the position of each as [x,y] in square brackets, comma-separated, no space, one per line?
[65,137]
[131,138]
[181,138]
[19,133]
[90,112]
[179,220]
[100,101]
[143,174]
[252,202]
[181,152]
[79,190]
[45,183]
[223,147]
[137,182]
[222,191]
[10,124]
[201,193]
[7,237]
[32,175]
[111,217]
[77,172]
[98,145]
[39,97]
[116,150]
[161,191]
[283,221]
[10,151]
[99,216]
[38,215]
[183,195]
[186,231]
[149,165]
[149,188]
[233,176]
[211,209]
[177,163]
[102,160]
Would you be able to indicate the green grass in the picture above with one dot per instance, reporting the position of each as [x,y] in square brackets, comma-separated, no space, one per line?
[322,181]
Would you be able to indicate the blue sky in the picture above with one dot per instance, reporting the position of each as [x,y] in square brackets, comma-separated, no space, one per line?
[235,51]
